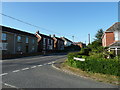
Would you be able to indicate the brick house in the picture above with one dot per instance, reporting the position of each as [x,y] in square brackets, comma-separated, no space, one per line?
[80,44]
[111,38]
[45,43]
[58,43]
[14,41]
[67,42]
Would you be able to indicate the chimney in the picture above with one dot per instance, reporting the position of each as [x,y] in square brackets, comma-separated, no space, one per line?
[38,32]
[53,35]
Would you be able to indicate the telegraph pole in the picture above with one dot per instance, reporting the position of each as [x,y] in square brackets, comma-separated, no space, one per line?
[73,38]
[89,38]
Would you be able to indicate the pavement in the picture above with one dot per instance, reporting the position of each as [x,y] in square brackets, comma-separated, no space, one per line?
[38,72]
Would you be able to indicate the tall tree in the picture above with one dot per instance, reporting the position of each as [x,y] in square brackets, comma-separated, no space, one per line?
[99,35]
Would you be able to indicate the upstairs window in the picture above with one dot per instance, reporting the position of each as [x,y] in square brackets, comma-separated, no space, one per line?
[19,38]
[33,41]
[44,41]
[50,42]
[116,35]
[4,36]
[27,39]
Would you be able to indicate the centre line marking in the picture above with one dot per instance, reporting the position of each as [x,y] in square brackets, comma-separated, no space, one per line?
[50,63]
[3,74]
[33,67]
[40,65]
[45,64]
[16,71]
[25,68]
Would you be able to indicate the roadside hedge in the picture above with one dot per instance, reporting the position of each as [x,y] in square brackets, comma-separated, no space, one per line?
[95,65]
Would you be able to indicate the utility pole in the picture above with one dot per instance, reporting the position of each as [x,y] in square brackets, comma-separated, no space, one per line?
[85,42]
[89,38]
[73,38]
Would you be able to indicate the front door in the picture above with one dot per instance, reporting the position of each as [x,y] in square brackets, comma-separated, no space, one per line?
[26,49]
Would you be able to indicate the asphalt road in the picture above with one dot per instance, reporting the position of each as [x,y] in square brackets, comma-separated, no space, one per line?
[37,72]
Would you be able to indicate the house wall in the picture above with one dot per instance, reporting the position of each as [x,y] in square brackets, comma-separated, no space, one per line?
[58,44]
[12,44]
[67,43]
[43,43]
[108,39]
[9,42]
[118,35]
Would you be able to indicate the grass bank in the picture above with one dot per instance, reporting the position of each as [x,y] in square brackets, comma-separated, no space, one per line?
[95,76]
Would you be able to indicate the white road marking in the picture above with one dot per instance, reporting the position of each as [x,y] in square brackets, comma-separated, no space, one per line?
[3,74]
[9,85]
[25,68]
[53,62]
[33,66]
[16,71]
[40,65]
[45,64]
[50,63]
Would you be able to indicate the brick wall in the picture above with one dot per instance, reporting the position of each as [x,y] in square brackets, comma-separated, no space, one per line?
[108,39]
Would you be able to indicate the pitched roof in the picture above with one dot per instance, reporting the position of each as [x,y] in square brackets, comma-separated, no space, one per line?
[114,27]
[12,30]
[66,39]
[43,35]
[58,38]
[116,43]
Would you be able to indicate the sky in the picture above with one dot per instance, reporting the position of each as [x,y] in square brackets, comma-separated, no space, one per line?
[66,19]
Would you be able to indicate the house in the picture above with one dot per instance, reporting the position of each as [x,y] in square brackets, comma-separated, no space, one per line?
[80,44]
[45,43]
[14,41]
[111,38]
[67,42]
[58,43]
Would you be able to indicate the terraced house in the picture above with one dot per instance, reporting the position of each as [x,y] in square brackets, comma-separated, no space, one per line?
[111,38]
[14,41]
[45,43]
[58,43]
[67,42]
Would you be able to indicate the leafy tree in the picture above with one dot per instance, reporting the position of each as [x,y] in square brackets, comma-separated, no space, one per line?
[99,35]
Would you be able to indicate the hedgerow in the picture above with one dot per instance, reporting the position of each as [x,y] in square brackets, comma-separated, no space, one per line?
[94,64]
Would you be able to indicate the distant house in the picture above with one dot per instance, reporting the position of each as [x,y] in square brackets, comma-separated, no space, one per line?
[58,43]
[67,42]
[80,44]
[45,43]
[14,41]
[111,38]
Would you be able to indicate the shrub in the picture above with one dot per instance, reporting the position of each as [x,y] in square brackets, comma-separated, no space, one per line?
[95,65]
[85,51]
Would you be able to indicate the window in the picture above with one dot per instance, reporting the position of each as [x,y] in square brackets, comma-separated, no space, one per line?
[3,46]
[4,36]
[19,38]
[50,42]
[33,41]
[19,48]
[26,39]
[116,35]
[33,48]
[44,39]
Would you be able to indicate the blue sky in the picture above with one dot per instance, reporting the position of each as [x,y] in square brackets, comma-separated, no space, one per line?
[67,18]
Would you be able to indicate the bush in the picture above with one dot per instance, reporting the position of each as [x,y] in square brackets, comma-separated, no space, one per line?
[95,64]
[85,51]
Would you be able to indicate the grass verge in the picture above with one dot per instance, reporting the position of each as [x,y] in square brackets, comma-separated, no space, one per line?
[96,76]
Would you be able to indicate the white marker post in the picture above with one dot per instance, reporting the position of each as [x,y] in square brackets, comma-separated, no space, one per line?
[79,59]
